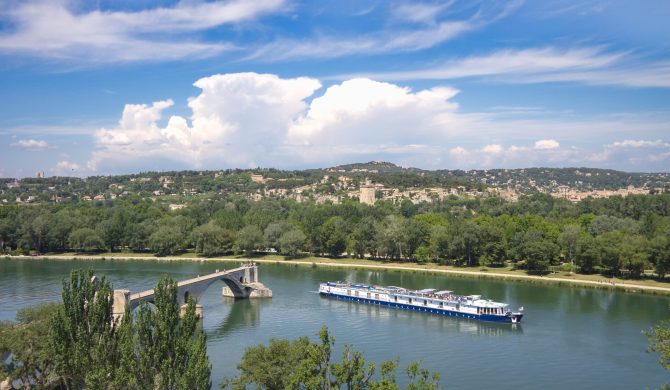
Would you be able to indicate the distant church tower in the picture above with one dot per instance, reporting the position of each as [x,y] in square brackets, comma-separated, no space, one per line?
[367,195]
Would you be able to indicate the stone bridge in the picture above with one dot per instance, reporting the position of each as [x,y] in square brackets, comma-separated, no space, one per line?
[240,283]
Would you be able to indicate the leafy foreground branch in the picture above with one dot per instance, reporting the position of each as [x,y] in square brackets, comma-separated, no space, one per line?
[79,346]
[22,347]
[301,364]
[659,341]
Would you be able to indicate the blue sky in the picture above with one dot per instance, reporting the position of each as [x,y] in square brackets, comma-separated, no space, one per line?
[107,87]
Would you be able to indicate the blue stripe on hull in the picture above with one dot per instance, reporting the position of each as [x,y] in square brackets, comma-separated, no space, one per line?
[432,310]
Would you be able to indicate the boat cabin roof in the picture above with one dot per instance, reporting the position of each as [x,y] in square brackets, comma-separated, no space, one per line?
[489,303]
[474,300]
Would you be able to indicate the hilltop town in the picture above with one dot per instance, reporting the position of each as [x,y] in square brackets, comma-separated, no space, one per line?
[364,182]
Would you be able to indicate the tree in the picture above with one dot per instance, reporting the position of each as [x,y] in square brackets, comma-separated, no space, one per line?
[334,236]
[421,379]
[302,364]
[292,242]
[82,333]
[23,340]
[166,240]
[86,239]
[352,372]
[261,214]
[211,240]
[538,252]
[59,232]
[362,238]
[588,254]
[568,240]
[270,367]
[7,231]
[417,234]
[464,241]
[168,352]
[605,223]
[390,237]
[152,349]
[273,233]
[659,341]
[659,255]
[539,255]
[250,239]
[493,244]
[112,230]
[634,255]
[609,246]
[140,233]
[407,208]
[229,217]
[439,241]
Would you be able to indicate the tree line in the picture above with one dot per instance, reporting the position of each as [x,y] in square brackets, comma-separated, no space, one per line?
[615,235]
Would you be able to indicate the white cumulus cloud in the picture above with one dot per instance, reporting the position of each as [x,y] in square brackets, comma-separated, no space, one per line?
[66,168]
[545,144]
[236,119]
[251,119]
[32,144]
[363,116]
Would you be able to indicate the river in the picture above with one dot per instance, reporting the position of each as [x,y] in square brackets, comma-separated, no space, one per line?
[571,337]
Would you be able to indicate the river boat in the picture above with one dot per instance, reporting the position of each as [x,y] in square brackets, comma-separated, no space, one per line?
[428,300]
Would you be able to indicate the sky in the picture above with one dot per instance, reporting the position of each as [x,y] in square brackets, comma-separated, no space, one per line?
[125,86]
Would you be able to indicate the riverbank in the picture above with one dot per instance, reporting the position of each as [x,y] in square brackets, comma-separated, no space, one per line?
[561,278]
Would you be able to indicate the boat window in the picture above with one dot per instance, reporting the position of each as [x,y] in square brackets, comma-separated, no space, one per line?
[410,300]
[376,296]
[348,292]
[425,302]
[356,293]
[368,295]
[395,298]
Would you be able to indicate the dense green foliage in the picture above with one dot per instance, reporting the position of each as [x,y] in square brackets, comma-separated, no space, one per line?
[616,235]
[659,341]
[160,349]
[302,364]
[31,360]
[78,345]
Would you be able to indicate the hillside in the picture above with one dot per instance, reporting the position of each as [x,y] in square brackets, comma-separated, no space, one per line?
[324,183]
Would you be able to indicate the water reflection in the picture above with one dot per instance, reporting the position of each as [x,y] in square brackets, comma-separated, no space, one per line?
[360,314]
[244,313]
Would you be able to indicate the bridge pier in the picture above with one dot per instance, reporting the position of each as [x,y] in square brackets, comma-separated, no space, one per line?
[251,291]
[241,283]
[250,286]
[121,301]
[198,311]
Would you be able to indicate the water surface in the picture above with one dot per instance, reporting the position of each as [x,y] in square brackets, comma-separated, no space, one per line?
[571,337]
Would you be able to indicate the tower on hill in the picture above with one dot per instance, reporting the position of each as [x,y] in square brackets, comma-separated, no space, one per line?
[367,195]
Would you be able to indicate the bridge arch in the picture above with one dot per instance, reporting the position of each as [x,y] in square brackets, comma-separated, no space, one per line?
[240,281]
